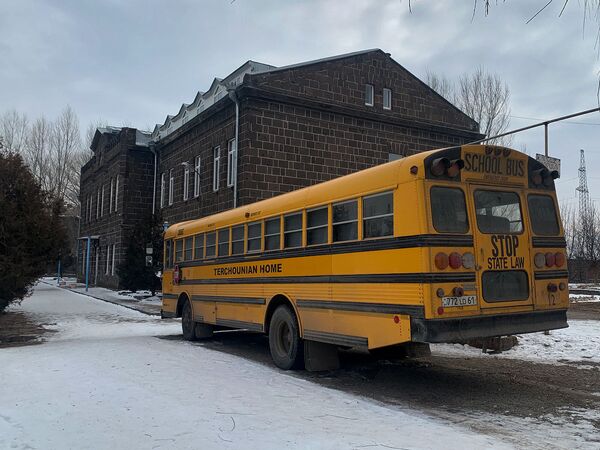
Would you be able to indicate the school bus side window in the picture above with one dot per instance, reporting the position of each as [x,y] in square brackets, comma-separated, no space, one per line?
[345,221]
[189,247]
[198,246]
[448,210]
[254,237]
[316,226]
[178,250]
[223,242]
[292,230]
[211,241]
[237,240]
[378,215]
[272,233]
[168,254]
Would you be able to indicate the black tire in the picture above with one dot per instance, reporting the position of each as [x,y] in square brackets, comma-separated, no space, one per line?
[187,322]
[287,348]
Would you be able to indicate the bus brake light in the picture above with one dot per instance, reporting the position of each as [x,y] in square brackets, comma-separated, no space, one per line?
[455,260]
[559,259]
[550,259]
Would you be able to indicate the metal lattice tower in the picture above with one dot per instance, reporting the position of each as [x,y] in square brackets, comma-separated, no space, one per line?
[584,193]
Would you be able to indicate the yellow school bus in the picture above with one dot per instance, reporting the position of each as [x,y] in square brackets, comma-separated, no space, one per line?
[442,246]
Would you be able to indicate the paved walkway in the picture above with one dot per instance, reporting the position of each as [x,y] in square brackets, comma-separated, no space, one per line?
[150,307]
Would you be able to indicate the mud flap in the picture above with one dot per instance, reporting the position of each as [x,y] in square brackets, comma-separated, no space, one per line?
[319,356]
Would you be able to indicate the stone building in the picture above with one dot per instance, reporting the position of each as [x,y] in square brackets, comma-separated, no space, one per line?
[260,132]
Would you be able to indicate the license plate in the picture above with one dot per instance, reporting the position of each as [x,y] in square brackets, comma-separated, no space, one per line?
[465,300]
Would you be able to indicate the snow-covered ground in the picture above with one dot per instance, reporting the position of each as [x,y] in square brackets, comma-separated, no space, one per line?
[107,380]
[579,343]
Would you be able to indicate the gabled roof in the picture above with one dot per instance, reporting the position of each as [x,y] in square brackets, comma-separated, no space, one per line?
[322,60]
[102,131]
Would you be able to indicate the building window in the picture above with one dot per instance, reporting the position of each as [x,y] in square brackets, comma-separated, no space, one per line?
[112,192]
[116,192]
[98,204]
[102,203]
[197,176]
[216,167]
[114,254]
[162,189]
[394,157]
[186,182]
[387,98]
[107,260]
[231,162]
[171,186]
[369,94]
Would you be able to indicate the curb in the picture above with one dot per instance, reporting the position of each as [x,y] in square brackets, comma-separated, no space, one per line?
[104,300]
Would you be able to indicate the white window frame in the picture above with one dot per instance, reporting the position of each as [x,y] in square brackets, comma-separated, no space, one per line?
[112,192]
[186,182]
[102,203]
[98,204]
[114,248]
[231,162]
[116,192]
[216,167]
[171,186]
[197,176]
[387,99]
[369,91]
[163,183]
[107,260]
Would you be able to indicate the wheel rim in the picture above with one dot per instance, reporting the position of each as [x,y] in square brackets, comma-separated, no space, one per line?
[284,338]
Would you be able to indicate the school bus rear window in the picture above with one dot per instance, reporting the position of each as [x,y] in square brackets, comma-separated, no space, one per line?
[498,212]
[543,215]
[448,210]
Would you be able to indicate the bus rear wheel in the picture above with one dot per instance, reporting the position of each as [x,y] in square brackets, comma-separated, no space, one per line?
[287,348]
[192,331]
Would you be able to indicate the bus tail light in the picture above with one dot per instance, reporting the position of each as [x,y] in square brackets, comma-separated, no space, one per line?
[455,260]
[559,259]
[440,310]
[550,259]
[552,287]
[441,261]
[468,260]
[539,260]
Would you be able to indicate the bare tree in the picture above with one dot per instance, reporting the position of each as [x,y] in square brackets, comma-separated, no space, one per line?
[440,84]
[14,128]
[482,96]
[36,152]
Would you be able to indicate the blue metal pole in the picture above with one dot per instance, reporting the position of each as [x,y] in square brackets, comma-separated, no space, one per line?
[58,277]
[87,264]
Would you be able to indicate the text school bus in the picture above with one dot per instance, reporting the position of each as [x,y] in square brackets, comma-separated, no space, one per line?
[441,246]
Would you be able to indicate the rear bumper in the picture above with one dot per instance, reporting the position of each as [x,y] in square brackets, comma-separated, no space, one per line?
[456,330]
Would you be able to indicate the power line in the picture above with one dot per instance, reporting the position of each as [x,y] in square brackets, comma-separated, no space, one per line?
[564,121]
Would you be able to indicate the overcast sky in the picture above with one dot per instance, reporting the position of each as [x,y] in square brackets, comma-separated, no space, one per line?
[133,62]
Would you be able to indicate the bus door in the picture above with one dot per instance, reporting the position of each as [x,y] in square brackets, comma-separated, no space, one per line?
[502,250]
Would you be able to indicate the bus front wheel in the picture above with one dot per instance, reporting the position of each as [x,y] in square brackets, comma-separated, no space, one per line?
[287,348]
